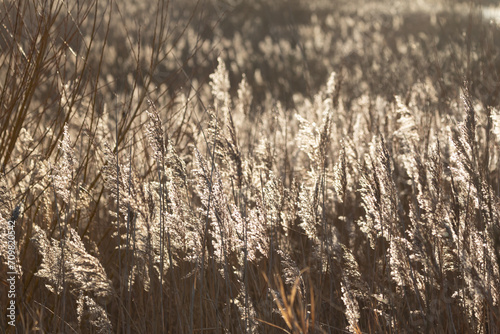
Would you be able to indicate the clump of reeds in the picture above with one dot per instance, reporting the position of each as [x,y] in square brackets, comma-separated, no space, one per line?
[160,186]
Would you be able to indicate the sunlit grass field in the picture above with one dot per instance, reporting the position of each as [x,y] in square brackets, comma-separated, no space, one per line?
[250,167]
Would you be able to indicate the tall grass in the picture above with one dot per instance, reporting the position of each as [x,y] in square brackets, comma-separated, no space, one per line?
[176,168]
